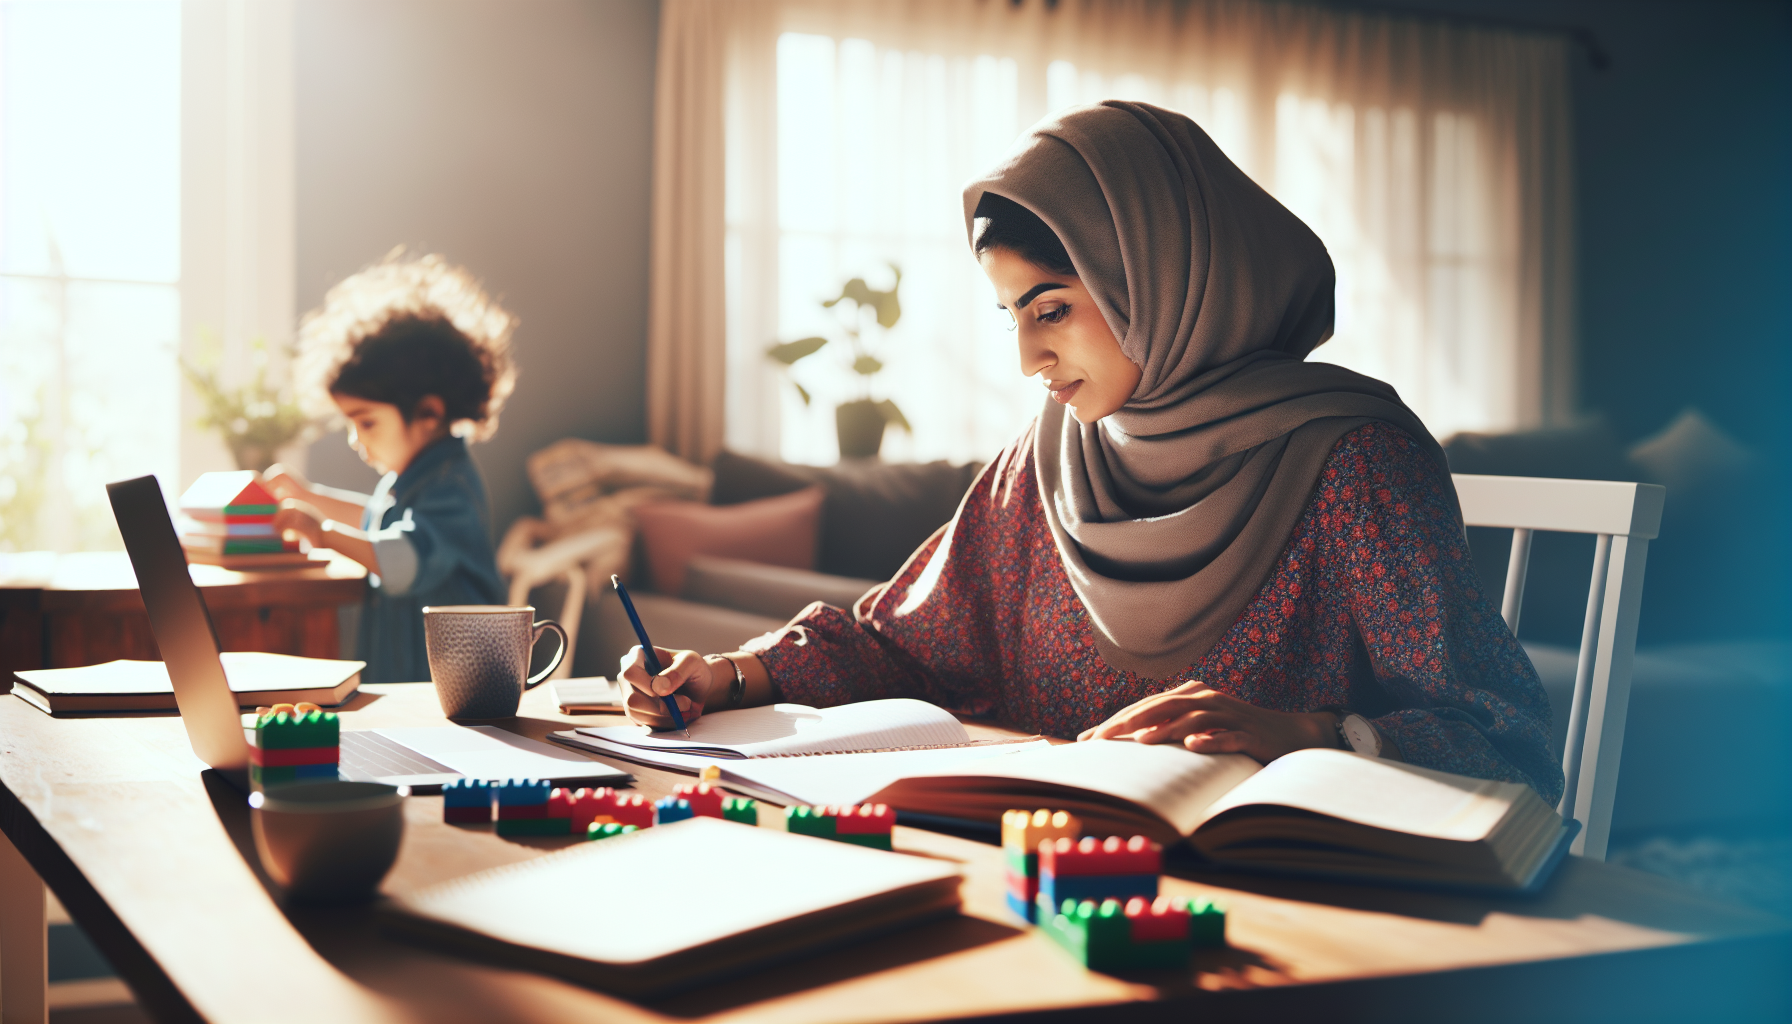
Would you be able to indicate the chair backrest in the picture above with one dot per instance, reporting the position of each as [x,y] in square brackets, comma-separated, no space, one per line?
[1624,517]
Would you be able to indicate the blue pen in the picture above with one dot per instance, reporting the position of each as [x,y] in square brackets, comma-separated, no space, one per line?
[647,653]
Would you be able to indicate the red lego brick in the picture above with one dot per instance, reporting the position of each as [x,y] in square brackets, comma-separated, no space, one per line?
[560,803]
[864,820]
[293,757]
[585,810]
[1110,856]
[632,809]
[1157,921]
[705,799]
[1026,889]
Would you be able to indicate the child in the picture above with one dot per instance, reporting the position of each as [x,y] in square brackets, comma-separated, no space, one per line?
[417,358]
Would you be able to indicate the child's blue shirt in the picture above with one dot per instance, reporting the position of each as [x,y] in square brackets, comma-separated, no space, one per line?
[431,531]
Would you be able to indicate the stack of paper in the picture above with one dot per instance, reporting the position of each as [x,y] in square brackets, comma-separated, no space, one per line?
[228,519]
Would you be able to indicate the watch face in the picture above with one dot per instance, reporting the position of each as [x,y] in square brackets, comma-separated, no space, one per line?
[1361,735]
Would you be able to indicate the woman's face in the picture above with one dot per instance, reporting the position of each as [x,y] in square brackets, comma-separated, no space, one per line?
[1063,337]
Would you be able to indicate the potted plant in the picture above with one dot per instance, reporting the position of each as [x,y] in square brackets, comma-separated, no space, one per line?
[860,422]
[257,419]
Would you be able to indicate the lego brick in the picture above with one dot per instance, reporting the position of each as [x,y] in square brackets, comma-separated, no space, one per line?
[283,731]
[534,827]
[520,792]
[1206,923]
[260,776]
[292,756]
[865,819]
[467,793]
[1025,830]
[810,821]
[1026,865]
[1110,856]
[560,803]
[1095,887]
[669,809]
[608,830]
[466,815]
[705,799]
[1159,920]
[1020,907]
[526,812]
[1022,886]
[740,809]
[587,807]
[632,809]
[1099,937]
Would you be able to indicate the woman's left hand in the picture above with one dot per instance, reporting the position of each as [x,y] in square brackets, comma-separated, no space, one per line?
[1207,721]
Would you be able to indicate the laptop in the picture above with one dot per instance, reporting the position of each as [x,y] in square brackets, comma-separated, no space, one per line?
[421,758]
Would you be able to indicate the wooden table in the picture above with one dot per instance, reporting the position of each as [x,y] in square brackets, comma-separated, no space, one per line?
[61,611]
[153,858]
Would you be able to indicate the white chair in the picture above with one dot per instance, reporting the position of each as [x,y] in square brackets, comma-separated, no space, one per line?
[1624,517]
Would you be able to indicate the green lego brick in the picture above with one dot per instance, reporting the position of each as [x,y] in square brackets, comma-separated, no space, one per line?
[809,821]
[534,827]
[1206,923]
[1021,865]
[312,729]
[1098,937]
[607,830]
[875,841]
[741,810]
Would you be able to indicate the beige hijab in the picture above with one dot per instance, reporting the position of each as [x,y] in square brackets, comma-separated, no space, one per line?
[1171,513]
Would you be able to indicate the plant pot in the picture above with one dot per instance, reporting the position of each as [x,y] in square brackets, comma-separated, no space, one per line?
[860,425]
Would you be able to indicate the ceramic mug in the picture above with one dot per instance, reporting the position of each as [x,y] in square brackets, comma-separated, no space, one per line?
[479,656]
[328,842]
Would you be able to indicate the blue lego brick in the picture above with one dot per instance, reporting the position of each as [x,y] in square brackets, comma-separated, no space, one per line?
[314,771]
[467,793]
[1019,907]
[1055,890]
[521,793]
[670,809]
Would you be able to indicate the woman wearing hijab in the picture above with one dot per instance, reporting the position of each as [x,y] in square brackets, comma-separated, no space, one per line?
[1203,539]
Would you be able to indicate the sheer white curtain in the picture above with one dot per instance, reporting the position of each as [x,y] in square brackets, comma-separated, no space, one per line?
[1432,158]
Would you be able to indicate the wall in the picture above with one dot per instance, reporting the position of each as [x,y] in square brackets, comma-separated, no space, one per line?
[516,139]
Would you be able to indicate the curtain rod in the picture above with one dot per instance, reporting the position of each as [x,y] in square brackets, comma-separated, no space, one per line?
[1597,58]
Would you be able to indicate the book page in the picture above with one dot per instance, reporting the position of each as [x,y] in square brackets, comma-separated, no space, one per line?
[113,677]
[1171,781]
[1379,793]
[785,729]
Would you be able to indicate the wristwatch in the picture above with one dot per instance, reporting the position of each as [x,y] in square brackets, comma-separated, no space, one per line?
[1358,733]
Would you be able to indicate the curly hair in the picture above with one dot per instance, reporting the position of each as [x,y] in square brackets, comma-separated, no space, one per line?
[403,329]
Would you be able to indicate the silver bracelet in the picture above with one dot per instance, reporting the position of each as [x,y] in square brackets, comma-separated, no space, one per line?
[737,690]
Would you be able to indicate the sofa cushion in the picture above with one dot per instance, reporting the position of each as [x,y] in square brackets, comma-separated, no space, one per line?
[767,589]
[876,513]
[776,531]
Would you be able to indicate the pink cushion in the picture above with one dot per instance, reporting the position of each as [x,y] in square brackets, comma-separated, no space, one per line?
[775,531]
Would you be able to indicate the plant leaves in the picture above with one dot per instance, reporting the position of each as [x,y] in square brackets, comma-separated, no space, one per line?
[866,365]
[889,310]
[790,351]
[856,290]
[802,391]
[893,416]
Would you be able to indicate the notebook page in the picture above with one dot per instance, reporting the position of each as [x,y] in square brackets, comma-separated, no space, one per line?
[785,729]
[785,876]
[1379,793]
[1171,780]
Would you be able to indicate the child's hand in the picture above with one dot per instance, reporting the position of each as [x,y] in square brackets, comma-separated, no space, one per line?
[284,483]
[292,518]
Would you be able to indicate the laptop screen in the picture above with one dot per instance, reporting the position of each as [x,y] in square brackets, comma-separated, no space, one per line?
[181,623]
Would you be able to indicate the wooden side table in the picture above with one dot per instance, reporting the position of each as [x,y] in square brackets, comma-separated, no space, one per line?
[62,611]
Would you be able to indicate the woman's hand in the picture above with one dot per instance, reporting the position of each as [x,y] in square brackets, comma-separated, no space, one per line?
[1209,722]
[688,679]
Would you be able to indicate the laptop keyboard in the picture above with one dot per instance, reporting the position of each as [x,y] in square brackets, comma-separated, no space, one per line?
[367,754]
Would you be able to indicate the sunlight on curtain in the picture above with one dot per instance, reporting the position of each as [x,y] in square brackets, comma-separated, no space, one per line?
[89,262]
[1432,159]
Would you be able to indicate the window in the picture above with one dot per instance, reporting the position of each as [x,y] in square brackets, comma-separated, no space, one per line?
[89,262]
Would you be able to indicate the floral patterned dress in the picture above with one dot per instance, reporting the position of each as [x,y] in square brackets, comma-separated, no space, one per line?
[1374,605]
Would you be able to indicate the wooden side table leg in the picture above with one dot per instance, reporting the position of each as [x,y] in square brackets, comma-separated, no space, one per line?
[24,962]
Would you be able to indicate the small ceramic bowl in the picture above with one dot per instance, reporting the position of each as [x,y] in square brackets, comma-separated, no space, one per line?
[329,842]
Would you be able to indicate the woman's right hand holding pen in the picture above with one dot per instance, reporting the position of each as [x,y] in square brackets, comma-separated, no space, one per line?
[697,683]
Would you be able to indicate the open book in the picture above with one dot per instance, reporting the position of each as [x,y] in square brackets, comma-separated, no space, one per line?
[1327,812]
[1323,812]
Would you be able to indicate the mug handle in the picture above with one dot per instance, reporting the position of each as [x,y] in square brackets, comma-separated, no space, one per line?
[535,637]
